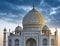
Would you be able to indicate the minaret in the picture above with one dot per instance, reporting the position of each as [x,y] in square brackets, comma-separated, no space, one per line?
[4,39]
[9,32]
[56,37]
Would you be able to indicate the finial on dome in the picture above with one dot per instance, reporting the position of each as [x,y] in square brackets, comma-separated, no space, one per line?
[33,5]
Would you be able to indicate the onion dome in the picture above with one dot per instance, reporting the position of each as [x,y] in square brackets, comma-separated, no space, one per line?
[46,30]
[18,29]
[33,19]
[5,29]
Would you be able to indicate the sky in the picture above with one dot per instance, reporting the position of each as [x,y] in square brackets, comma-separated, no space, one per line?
[13,11]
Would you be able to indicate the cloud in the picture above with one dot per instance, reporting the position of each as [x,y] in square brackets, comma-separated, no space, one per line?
[26,8]
[13,11]
[9,17]
[58,0]
[53,3]
[52,11]
[42,1]
[8,25]
[10,8]
[56,15]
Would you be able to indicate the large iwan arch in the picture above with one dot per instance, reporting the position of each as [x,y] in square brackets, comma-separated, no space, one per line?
[31,42]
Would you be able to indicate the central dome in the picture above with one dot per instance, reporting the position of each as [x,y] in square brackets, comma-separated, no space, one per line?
[33,19]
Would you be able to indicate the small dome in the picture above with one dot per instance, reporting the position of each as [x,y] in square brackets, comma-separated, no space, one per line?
[45,28]
[5,29]
[33,19]
[18,28]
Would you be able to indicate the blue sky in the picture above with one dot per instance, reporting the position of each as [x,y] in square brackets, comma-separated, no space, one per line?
[13,11]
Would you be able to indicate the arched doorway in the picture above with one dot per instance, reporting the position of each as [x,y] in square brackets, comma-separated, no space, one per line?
[31,42]
[44,41]
[52,41]
[16,42]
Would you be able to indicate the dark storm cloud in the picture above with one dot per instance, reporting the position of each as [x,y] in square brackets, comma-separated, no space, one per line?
[8,7]
[53,3]
[14,10]
[51,12]
[9,12]
[55,20]
[9,17]
[24,2]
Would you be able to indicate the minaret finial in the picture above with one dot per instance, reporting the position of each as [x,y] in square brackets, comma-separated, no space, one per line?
[56,28]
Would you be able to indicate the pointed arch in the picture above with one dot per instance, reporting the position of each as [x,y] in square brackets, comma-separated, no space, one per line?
[16,42]
[31,42]
[52,41]
[44,41]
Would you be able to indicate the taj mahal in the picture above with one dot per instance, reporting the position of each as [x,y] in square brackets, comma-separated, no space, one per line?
[34,32]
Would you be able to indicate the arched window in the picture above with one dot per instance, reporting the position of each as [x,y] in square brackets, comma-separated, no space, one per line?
[16,42]
[10,42]
[52,41]
[44,41]
[30,42]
